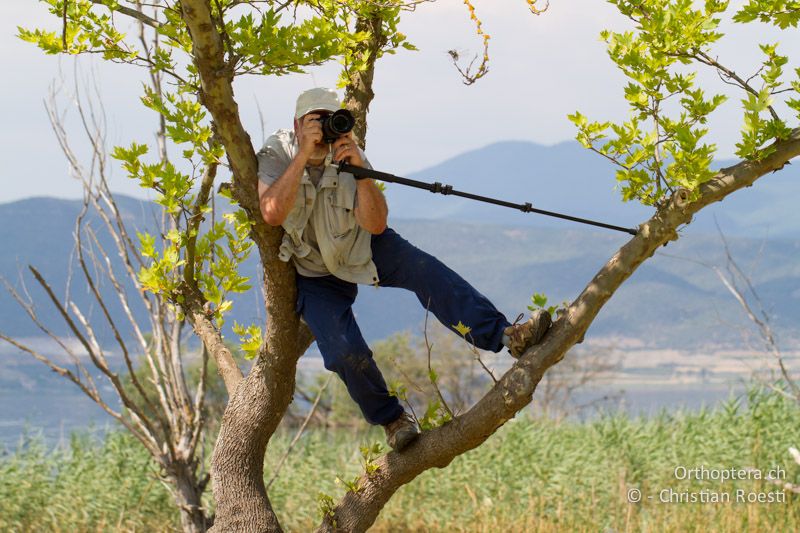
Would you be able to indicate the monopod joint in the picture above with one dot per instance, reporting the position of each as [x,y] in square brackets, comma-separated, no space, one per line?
[441,189]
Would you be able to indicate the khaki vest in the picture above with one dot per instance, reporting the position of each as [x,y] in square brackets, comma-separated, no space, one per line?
[345,246]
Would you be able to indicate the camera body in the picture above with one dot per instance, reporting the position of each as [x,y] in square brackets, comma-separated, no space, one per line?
[336,124]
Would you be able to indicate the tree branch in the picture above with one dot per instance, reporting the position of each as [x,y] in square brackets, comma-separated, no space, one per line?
[704,58]
[357,511]
[129,12]
[212,339]
[145,438]
[359,93]
[194,221]
[29,309]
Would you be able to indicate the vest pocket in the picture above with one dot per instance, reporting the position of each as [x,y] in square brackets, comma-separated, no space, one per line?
[296,219]
[342,214]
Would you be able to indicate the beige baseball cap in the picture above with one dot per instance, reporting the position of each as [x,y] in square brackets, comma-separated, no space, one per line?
[317,98]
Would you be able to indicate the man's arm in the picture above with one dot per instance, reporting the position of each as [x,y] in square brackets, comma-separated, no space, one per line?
[277,200]
[371,210]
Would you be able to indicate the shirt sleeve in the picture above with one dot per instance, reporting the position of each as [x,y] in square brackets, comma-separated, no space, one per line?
[272,160]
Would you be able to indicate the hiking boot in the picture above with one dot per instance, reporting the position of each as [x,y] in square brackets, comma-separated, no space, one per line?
[522,336]
[401,432]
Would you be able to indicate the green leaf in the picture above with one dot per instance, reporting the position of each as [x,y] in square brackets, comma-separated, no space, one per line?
[146,244]
[251,339]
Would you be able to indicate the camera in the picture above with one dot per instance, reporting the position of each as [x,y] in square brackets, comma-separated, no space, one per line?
[336,124]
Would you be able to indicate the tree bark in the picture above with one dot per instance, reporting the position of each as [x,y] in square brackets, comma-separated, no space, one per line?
[260,400]
[188,498]
[359,93]
[205,330]
[357,511]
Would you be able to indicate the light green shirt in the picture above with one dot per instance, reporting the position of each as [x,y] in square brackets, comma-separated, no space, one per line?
[322,236]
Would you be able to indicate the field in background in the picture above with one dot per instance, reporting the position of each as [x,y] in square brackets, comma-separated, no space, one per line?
[533,475]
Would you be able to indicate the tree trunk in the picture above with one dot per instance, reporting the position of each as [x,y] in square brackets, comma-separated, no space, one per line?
[260,400]
[359,94]
[188,497]
[238,461]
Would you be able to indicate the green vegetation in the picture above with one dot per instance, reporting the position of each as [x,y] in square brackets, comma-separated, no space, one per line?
[661,148]
[91,485]
[532,475]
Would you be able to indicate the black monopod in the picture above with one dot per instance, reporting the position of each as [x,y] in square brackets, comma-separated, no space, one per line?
[362,173]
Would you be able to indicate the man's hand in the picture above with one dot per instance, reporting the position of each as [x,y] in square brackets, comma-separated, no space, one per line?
[345,149]
[371,210]
[309,134]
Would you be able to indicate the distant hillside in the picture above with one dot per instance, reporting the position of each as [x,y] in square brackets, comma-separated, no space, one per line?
[507,255]
[668,302]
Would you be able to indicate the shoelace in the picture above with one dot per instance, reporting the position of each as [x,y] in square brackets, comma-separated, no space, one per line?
[515,333]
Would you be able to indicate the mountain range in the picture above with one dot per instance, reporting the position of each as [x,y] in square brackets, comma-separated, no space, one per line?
[671,301]
[569,179]
[674,300]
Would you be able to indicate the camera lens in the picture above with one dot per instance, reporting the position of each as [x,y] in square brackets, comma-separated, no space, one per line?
[337,124]
[341,123]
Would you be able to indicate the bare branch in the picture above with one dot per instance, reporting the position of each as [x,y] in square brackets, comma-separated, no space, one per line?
[29,309]
[704,58]
[181,389]
[133,13]
[106,313]
[429,348]
[94,189]
[199,403]
[467,73]
[763,325]
[145,438]
[90,389]
[97,358]
[108,271]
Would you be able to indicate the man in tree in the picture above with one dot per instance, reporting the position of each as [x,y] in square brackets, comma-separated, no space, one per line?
[336,236]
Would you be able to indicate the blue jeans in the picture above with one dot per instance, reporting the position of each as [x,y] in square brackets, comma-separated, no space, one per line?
[325,303]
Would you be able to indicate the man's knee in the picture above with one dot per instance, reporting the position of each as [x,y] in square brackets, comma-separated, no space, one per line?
[411,268]
[351,359]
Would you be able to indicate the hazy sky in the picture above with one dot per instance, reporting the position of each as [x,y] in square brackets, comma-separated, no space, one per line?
[541,69]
